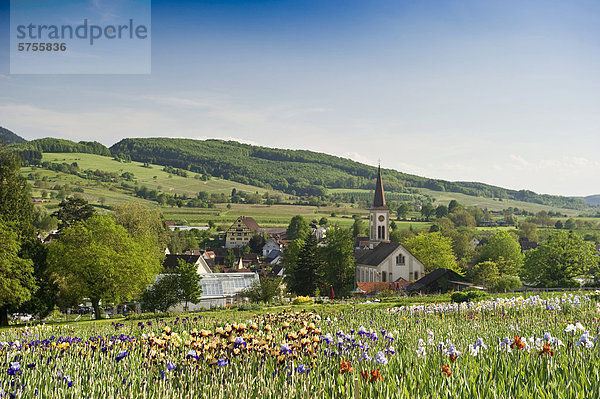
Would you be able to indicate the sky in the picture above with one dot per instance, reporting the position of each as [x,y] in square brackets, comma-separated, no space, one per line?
[501,92]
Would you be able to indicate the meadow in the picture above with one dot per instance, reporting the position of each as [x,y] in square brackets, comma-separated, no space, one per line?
[506,347]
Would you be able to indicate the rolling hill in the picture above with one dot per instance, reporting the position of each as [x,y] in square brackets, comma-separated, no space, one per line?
[593,200]
[8,137]
[295,172]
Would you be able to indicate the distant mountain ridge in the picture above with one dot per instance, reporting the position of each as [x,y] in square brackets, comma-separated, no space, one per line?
[8,137]
[593,200]
[297,172]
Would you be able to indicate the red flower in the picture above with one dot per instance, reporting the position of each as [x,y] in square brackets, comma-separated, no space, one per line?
[345,367]
[546,349]
[446,370]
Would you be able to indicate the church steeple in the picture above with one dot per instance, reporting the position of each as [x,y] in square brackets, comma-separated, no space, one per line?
[379,199]
[379,215]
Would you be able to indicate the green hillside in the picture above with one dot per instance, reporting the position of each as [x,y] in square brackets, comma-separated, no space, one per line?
[593,199]
[302,172]
[8,137]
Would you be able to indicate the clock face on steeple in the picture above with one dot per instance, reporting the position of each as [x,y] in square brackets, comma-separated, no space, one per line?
[381,218]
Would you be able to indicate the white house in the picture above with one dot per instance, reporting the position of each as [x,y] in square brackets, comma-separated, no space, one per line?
[271,245]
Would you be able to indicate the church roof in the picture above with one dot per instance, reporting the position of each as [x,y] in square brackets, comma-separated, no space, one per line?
[375,256]
[379,199]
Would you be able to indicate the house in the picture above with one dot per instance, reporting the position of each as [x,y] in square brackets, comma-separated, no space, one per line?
[384,261]
[361,243]
[527,245]
[51,237]
[274,257]
[241,231]
[172,261]
[440,281]
[271,245]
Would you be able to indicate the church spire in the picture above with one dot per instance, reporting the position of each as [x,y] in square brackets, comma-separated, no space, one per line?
[379,200]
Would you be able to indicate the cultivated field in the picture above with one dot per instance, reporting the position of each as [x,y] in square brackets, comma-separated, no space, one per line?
[505,348]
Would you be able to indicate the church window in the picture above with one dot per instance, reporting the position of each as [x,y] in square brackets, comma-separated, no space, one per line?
[416,275]
[391,279]
[383,277]
[400,260]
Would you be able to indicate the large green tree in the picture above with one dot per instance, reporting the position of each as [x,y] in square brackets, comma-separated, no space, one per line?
[17,281]
[303,266]
[338,260]
[559,260]
[72,210]
[16,213]
[98,259]
[502,244]
[142,221]
[298,228]
[189,283]
[16,208]
[433,250]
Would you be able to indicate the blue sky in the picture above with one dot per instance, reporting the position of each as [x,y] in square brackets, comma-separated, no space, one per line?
[505,93]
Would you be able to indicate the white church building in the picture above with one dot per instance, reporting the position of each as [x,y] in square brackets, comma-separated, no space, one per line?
[385,261]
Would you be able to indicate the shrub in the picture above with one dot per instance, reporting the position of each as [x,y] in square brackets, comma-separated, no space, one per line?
[300,300]
[459,297]
[477,296]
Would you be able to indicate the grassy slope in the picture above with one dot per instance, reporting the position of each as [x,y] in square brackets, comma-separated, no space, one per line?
[481,202]
[267,216]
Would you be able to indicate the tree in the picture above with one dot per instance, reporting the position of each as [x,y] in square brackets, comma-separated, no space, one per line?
[453,206]
[427,211]
[528,230]
[142,221]
[230,258]
[502,245]
[559,260]
[17,281]
[570,224]
[16,216]
[16,208]
[304,272]
[163,294]
[441,211]
[189,283]
[485,273]
[98,259]
[73,210]
[558,225]
[403,210]
[338,260]
[256,243]
[323,221]
[42,218]
[433,250]
[461,218]
[298,228]
[357,226]
[263,290]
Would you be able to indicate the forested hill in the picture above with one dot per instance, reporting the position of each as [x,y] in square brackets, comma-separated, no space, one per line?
[302,172]
[593,199]
[31,151]
[8,137]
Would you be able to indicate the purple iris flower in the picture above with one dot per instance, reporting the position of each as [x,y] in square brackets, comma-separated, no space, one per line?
[171,366]
[302,369]
[121,356]
[285,348]
[222,362]
[192,355]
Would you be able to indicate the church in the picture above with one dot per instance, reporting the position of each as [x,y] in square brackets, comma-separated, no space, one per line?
[385,261]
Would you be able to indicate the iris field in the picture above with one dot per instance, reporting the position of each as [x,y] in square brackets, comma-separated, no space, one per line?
[503,348]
